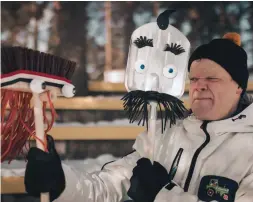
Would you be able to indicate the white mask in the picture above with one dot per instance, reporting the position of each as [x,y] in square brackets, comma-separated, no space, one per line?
[157,61]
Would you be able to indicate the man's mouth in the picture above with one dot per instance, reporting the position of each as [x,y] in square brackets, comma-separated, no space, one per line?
[201,99]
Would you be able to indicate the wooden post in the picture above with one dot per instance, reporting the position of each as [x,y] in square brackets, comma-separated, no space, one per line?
[39,132]
[155,8]
[54,38]
[108,33]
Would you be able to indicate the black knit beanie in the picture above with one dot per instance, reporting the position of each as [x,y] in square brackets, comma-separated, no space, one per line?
[228,53]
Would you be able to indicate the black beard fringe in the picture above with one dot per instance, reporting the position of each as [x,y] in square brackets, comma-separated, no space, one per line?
[136,104]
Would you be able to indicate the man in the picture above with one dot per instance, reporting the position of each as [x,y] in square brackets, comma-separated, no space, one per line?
[210,151]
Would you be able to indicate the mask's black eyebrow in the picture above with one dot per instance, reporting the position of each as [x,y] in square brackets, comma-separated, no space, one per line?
[143,41]
[174,48]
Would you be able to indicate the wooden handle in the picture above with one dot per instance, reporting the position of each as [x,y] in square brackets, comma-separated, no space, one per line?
[39,124]
[39,132]
[152,129]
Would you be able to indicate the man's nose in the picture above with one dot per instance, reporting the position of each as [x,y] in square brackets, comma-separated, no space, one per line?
[201,85]
[152,82]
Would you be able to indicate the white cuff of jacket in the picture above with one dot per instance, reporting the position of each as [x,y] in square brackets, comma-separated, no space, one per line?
[176,194]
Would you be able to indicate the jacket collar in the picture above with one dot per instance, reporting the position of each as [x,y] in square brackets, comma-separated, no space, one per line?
[231,124]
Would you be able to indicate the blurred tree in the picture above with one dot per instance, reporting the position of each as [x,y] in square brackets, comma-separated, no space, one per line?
[15,16]
[127,9]
[117,22]
[78,29]
[108,33]
[72,31]
[96,39]
[248,44]
[54,38]
[207,20]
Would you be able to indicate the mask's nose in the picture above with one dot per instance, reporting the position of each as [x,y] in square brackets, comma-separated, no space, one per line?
[152,82]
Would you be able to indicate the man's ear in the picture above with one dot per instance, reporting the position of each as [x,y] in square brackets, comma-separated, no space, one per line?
[239,90]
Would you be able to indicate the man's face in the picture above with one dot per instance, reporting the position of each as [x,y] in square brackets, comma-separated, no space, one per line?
[213,93]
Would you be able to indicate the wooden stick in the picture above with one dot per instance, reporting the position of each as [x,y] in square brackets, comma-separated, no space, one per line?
[39,132]
[108,32]
[152,129]
[155,8]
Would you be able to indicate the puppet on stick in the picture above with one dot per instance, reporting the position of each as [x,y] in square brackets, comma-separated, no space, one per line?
[29,81]
[155,74]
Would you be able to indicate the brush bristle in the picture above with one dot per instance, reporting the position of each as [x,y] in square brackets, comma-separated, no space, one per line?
[21,58]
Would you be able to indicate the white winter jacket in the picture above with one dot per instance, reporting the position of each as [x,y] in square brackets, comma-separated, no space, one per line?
[222,149]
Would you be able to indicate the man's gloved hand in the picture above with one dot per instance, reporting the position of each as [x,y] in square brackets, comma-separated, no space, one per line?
[147,180]
[44,172]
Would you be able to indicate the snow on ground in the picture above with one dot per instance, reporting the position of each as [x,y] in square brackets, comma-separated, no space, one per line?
[17,167]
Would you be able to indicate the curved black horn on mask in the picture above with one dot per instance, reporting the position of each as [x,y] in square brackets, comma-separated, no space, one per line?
[163,19]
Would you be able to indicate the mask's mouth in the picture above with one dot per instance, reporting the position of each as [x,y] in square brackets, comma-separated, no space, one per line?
[136,104]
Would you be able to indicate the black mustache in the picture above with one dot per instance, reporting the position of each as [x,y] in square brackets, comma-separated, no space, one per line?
[136,104]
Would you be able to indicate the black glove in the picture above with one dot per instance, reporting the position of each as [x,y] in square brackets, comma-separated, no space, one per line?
[44,172]
[147,180]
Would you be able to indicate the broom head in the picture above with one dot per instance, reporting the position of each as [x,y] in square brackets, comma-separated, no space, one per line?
[28,70]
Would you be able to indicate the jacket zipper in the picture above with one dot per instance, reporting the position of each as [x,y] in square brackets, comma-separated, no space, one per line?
[195,156]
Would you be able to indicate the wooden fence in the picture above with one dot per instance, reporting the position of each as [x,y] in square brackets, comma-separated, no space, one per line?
[15,185]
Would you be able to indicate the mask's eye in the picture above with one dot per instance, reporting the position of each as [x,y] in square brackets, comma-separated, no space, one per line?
[37,86]
[170,71]
[140,66]
[68,90]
